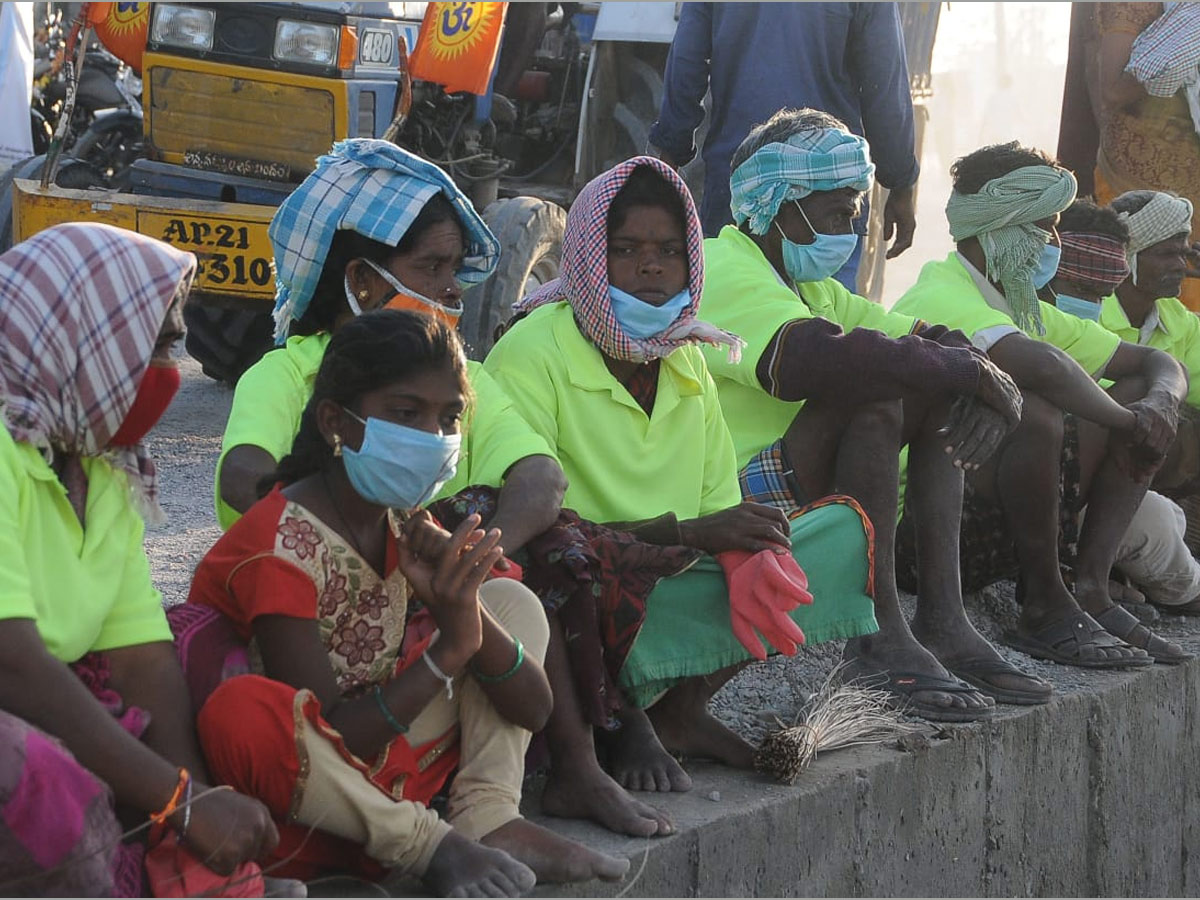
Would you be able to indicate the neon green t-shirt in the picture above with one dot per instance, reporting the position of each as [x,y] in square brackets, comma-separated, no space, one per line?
[621,464]
[945,293]
[1177,333]
[271,396]
[743,294]
[85,588]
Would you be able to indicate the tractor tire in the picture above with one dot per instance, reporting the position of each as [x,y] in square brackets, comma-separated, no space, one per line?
[225,341]
[72,173]
[530,232]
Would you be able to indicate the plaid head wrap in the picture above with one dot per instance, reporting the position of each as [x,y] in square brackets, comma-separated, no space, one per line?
[1001,216]
[1165,216]
[81,306]
[584,279]
[1166,56]
[1094,260]
[815,160]
[372,187]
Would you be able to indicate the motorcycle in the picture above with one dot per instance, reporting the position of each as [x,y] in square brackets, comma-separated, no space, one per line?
[106,124]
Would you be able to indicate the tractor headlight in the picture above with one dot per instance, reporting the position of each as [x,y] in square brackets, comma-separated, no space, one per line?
[306,42]
[183,26]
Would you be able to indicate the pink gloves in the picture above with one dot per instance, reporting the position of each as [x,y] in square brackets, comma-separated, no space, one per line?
[763,588]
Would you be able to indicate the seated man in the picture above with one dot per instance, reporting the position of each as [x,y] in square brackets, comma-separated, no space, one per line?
[1152,554]
[1003,212]
[833,386]
[1145,309]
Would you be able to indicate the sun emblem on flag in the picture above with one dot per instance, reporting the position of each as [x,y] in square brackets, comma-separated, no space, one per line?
[461,26]
[124,18]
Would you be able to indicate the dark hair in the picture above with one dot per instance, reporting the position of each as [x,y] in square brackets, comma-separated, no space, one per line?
[372,350]
[1132,201]
[646,187]
[784,124]
[329,297]
[973,171]
[1086,216]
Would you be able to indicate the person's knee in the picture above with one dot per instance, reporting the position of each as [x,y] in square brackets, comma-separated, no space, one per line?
[520,611]
[1041,421]
[883,415]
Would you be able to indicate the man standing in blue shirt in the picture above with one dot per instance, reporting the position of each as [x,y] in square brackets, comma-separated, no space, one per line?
[846,59]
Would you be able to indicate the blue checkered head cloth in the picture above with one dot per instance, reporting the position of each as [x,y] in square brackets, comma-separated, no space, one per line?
[819,159]
[374,188]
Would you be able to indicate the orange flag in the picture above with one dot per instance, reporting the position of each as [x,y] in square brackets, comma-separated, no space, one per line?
[458,44]
[122,28]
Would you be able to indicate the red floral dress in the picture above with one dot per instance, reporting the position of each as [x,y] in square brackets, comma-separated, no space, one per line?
[280,559]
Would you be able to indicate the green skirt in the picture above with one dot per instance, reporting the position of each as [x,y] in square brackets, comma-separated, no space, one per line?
[687,632]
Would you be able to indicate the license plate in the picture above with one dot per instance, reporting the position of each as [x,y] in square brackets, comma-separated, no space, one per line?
[224,164]
[235,254]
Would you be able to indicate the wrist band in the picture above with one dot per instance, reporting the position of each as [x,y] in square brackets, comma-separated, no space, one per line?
[160,817]
[387,713]
[496,679]
[439,674]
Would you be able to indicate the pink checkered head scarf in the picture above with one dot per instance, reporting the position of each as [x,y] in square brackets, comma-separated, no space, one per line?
[81,307]
[584,279]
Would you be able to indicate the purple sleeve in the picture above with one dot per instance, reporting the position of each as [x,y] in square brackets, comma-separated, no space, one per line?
[811,359]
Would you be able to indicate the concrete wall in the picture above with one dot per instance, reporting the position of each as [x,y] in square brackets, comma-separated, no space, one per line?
[1093,795]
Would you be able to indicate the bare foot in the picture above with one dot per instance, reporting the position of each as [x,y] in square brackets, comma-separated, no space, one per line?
[637,759]
[552,858]
[462,868]
[693,732]
[587,792]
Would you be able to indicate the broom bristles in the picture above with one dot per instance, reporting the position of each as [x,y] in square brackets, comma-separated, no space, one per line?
[838,715]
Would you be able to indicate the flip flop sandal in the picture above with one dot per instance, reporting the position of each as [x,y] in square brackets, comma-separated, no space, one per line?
[1132,600]
[1063,641]
[903,685]
[1119,623]
[976,672]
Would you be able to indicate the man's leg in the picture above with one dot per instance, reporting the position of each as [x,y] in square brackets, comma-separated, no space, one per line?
[856,452]
[1153,555]
[1022,478]
[934,500]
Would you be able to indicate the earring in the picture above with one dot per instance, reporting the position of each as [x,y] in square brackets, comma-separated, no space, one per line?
[364,294]
[337,446]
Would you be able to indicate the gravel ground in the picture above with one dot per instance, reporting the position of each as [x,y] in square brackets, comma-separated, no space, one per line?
[186,444]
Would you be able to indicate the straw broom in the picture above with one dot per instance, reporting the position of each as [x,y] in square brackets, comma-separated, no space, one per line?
[837,715]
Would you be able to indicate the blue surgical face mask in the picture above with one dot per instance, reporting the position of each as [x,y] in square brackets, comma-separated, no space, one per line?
[819,260]
[1047,266]
[641,320]
[1077,306]
[400,467]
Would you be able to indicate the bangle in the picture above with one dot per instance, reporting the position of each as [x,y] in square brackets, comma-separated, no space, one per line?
[387,713]
[496,679]
[160,817]
[187,810]
[439,674]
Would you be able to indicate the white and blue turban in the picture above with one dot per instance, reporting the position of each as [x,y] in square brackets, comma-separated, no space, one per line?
[374,188]
[824,159]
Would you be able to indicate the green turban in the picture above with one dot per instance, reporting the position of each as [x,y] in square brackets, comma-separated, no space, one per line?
[1001,217]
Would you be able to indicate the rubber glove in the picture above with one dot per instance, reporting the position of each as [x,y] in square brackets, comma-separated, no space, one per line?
[763,588]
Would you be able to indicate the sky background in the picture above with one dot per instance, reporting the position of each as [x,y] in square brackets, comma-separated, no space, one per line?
[998,72]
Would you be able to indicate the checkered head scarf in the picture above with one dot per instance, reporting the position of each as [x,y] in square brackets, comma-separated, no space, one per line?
[820,159]
[1094,260]
[372,187]
[81,306]
[584,279]
[1001,216]
[1165,216]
